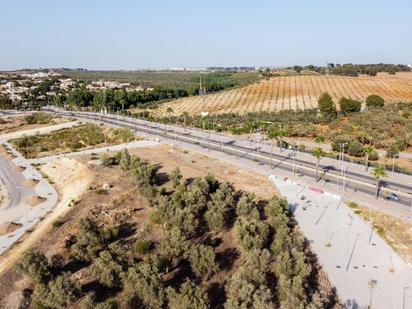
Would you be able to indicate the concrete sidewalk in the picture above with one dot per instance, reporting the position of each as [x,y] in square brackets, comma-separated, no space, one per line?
[21,213]
[348,250]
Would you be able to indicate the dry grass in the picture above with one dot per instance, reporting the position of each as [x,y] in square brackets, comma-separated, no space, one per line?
[294,92]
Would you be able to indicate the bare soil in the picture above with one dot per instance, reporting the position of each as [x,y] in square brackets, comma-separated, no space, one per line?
[16,124]
[193,164]
[35,200]
[9,227]
[31,183]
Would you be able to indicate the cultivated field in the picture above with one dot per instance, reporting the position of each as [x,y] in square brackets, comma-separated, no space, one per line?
[294,92]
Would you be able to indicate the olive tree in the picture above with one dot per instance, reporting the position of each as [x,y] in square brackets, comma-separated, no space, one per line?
[107,270]
[35,265]
[251,234]
[176,177]
[188,296]
[202,260]
[57,293]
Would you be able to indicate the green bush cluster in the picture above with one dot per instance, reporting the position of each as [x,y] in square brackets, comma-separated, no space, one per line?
[38,118]
[349,106]
[375,101]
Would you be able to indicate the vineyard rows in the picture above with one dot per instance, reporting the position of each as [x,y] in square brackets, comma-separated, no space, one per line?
[293,92]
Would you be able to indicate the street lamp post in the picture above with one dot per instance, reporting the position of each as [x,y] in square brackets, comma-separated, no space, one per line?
[342,167]
[404,296]
[292,154]
[393,164]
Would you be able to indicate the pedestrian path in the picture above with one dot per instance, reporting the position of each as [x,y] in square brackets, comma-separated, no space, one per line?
[20,213]
[364,269]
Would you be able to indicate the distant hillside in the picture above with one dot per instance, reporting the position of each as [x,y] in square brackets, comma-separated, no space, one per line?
[164,78]
[294,92]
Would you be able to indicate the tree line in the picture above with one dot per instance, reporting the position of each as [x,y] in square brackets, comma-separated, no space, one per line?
[349,69]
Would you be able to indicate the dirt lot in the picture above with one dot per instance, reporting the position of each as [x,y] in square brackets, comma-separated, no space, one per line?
[15,124]
[193,164]
[73,139]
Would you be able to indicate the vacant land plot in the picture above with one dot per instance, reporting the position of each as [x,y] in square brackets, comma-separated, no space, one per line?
[71,139]
[144,234]
[293,92]
[15,124]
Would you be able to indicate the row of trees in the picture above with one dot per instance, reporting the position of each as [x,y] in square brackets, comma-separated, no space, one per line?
[328,109]
[354,70]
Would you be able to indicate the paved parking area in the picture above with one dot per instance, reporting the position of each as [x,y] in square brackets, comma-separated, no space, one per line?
[359,263]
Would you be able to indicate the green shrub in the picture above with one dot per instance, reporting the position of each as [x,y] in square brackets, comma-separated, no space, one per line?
[392,151]
[326,106]
[355,148]
[340,139]
[38,118]
[57,223]
[142,246]
[375,101]
[123,134]
[349,106]
[110,160]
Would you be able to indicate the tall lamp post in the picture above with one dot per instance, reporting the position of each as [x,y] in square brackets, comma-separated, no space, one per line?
[404,296]
[393,164]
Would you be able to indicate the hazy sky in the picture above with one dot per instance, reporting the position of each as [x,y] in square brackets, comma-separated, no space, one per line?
[126,34]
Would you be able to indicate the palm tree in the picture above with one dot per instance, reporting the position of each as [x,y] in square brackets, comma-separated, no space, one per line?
[236,131]
[318,153]
[369,150]
[378,172]
[278,134]
[272,134]
[169,110]
[185,115]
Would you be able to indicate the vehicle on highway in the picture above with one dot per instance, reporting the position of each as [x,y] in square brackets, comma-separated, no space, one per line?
[392,196]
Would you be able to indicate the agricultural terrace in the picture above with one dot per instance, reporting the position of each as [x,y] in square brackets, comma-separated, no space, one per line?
[293,92]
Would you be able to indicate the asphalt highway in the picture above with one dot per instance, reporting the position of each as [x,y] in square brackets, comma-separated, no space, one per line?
[230,145]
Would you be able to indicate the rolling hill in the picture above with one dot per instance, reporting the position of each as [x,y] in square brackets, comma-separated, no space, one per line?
[293,92]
